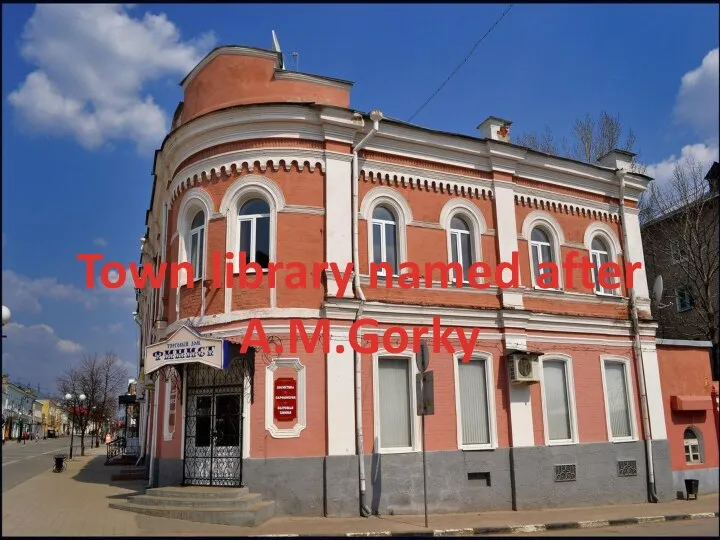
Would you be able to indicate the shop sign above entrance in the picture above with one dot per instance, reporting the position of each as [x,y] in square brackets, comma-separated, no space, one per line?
[185,346]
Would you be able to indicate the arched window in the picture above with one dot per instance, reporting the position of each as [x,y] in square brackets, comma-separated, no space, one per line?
[384,238]
[196,244]
[254,227]
[542,251]
[599,255]
[461,245]
[692,447]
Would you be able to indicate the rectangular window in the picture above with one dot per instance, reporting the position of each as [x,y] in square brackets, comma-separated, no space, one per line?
[617,400]
[683,300]
[474,402]
[556,394]
[394,398]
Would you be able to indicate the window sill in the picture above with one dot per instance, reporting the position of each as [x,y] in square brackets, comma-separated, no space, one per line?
[475,447]
[560,443]
[404,450]
[541,289]
[623,439]
[607,295]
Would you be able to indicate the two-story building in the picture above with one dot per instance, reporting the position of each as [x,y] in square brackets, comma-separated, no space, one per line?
[560,401]
[19,410]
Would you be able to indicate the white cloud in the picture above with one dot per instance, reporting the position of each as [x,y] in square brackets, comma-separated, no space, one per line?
[697,101]
[93,61]
[100,242]
[27,294]
[39,335]
[696,106]
[700,153]
[67,346]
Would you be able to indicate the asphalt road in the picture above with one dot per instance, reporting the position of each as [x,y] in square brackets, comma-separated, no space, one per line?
[696,527]
[21,462]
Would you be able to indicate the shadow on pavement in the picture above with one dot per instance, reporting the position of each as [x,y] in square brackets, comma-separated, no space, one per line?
[94,471]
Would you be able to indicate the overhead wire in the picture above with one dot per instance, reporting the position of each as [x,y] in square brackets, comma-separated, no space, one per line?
[477,43]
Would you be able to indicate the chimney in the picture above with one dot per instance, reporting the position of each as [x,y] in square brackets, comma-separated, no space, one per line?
[496,129]
[617,159]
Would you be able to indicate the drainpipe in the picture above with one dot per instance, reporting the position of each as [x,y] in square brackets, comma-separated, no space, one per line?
[376,116]
[637,347]
[154,432]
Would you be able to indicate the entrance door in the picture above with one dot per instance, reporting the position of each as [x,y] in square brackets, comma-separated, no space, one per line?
[213,427]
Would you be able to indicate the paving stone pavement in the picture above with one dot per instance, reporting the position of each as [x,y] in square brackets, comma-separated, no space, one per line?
[75,503]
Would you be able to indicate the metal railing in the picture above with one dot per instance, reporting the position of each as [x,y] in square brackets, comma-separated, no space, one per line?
[116,448]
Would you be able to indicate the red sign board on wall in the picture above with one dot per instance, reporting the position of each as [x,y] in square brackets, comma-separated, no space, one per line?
[285,399]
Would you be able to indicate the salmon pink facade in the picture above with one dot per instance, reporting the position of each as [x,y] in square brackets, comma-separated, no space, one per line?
[560,402]
[690,398]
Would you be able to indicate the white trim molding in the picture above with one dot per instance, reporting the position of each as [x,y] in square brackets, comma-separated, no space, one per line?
[553,229]
[414,418]
[243,189]
[301,423]
[486,357]
[572,410]
[598,228]
[383,195]
[629,396]
[193,201]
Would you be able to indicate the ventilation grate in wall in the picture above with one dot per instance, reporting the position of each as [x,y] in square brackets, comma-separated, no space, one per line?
[565,473]
[627,468]
[481,478]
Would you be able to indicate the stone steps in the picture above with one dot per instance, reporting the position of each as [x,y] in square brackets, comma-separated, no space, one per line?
[222,506]
[128,474]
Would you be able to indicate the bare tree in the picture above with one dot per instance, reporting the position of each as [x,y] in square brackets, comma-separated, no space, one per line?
[591,138]
[680,242]
[101,381]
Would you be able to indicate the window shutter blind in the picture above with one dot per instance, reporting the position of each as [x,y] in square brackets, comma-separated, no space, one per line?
[617,399]
[473,402]
[556,400]
[394,378]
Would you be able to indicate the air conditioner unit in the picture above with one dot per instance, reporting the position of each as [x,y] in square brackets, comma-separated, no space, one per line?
[524,368]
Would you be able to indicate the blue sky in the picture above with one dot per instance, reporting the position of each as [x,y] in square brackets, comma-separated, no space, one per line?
[88,92]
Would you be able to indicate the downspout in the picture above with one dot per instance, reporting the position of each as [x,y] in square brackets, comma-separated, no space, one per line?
[375,116]
[637,347]
[154,432]
[146,405]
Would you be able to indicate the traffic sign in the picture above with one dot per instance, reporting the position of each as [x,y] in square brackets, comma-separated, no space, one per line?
[422,357]
[424,389]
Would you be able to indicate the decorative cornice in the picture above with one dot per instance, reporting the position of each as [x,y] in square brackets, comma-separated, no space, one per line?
[314,79]
[464,188]
[249,144]
[551,204]
[245,161]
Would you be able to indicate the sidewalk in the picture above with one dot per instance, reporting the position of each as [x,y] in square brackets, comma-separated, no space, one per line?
[75,503]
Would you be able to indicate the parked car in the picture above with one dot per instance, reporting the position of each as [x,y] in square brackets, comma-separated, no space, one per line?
[51,434]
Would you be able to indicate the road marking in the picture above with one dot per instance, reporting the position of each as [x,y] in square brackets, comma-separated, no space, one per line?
[29,457]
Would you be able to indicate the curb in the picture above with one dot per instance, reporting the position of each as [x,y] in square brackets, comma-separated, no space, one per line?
[531,528]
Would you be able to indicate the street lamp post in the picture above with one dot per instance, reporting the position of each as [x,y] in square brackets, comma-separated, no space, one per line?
[5,317]
[74,401]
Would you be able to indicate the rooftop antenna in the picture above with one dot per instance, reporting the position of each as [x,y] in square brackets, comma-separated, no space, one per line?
[296,56]
[276,47]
